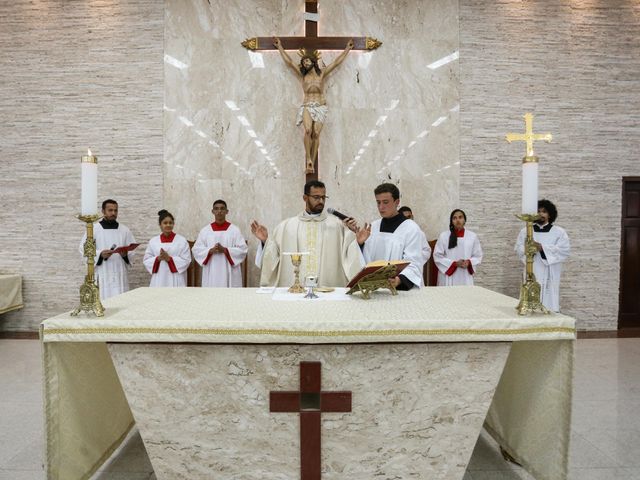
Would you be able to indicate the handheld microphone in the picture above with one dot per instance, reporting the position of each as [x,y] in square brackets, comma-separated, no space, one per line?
[341,216]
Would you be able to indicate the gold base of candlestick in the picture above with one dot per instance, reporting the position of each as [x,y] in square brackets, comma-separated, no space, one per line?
[530,299]
[89,291]
[530,290]
[89,300]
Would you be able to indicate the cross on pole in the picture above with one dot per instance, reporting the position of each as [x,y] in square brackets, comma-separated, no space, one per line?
[310,402]
[311,41]
[528,136]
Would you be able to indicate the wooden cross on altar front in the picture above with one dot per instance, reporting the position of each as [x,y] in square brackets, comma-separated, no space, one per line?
[311,41]
[529,136]
[310,402]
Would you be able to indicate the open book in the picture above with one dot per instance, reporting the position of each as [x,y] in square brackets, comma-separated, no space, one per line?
[126,248]
[373,267]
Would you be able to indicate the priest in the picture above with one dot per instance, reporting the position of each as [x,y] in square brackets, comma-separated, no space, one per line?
[395,237]
[220,248]
[333,253]
[112,267]
[457,253]
[552,244]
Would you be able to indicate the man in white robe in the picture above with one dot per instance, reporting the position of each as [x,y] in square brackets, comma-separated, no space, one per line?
[457,253]
[334,256]
[395,237]
[112,268]
[220,249]
[553,247]
[426,249]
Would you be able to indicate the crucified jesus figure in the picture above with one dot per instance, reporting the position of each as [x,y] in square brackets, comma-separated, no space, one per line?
[313,111]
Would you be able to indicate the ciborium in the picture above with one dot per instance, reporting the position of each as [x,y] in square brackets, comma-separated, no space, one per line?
[89,291]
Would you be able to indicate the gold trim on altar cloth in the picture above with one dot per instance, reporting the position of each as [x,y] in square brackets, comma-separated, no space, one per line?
[305,333]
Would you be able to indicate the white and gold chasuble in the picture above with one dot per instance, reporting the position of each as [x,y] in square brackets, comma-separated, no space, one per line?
[333,253]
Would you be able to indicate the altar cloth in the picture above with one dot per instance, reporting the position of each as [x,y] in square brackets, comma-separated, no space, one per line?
[10,292]
[530,414]
[444,314]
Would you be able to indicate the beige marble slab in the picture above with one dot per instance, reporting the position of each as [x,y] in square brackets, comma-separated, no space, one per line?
[203,410]
[219,103]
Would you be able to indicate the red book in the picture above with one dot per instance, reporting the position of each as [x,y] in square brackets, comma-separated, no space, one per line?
[127,248]
[372,267]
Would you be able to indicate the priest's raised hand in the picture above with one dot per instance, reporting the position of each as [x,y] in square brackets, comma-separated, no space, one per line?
[260,231]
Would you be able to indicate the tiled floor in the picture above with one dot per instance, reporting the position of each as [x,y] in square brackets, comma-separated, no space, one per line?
[605,431]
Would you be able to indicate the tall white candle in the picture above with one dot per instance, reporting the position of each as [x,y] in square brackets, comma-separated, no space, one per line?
[89,184]
[530,188]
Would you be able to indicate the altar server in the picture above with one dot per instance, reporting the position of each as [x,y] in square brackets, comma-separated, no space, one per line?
[167,256]
[220,249]
[426,249]
[395,237]
[552,243]
[333,253]
[457,253]
[112,268]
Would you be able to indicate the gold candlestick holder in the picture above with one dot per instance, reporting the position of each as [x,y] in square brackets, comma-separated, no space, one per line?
[296,259]
[530,289]
[89,291]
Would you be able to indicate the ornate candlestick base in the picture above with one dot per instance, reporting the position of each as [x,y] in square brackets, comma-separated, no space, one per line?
[530,290]
[89,291]
[530,298]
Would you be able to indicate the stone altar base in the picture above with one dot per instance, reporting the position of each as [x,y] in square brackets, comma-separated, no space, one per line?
[203,409]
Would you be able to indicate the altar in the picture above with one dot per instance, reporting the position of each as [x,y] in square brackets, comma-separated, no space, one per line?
[229,383]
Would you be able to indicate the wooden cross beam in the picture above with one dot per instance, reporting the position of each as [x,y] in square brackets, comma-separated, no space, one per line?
[529,137]
[311,41]
[310,402]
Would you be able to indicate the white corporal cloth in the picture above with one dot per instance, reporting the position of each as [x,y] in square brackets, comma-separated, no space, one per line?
[281,294]
[87,414]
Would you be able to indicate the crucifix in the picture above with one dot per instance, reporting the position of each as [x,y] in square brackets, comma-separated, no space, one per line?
[310,402]
[528,136]
[313,111]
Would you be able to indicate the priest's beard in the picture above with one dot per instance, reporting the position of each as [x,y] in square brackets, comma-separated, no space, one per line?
[315,210]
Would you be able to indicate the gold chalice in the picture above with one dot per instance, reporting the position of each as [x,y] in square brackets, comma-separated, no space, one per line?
[296,260]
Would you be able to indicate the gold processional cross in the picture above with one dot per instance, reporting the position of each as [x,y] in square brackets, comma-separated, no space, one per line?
[311,41]
[528,136]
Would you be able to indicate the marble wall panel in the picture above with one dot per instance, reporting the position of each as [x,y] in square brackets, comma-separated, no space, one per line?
[383,104]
